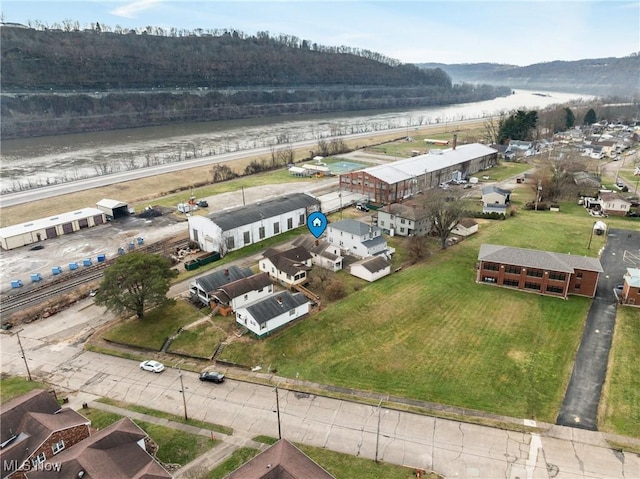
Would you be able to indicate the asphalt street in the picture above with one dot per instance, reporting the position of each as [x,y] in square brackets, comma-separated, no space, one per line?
[54,352]
[580,405]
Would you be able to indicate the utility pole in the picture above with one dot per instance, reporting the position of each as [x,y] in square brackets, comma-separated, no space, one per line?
[378,431]
[591,235]
[23,355]
[278,413]
[184,399]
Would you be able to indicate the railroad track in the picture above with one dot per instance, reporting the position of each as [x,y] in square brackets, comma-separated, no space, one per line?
[40,292]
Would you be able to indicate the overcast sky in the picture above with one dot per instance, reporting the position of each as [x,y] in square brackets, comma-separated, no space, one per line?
[418,31]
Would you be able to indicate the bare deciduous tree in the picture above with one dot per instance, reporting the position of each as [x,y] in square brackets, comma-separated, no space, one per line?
[445,210]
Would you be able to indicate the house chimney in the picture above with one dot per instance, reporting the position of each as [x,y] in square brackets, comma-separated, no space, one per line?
[226,272]
[317,243]
[455,141]
[279,300]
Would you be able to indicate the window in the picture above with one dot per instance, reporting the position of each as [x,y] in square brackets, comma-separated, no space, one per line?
[510,282]
[491,267]
[289,223]
[292,312]
[231,242]
[535,286]
[512,269]
[576,287]
[261,232]
[39,459]
[402,221]
[57,447]
[246,296]
[301,220]
[195,235]
[534,273]
[554,289]
[382,223]
[276,228]
[579,275]
[247,237]
[558,276]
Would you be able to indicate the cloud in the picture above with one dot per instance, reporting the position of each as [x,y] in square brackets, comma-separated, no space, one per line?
[132,9]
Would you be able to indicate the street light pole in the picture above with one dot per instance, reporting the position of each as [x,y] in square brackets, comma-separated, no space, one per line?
[23,355]
[278,413]
[184,399]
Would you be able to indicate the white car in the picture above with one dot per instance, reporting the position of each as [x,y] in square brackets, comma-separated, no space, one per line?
[151,365]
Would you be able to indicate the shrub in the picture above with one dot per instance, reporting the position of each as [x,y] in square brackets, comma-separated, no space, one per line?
[336,290]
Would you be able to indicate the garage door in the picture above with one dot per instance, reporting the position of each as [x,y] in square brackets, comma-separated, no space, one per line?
[51,233]
[67,228]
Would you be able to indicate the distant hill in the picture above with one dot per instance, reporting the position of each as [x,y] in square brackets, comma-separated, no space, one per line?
[601,76]
[63,81]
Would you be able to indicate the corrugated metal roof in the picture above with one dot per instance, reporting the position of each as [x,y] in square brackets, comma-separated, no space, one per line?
[275,305]
[217,279]
[411,167]
[530,258]
[354,227]
[245,215]
[43,223]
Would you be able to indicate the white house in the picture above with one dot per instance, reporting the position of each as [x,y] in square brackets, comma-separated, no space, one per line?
[404,219]
[231,229]
[243,292]
[203,286]
[322,253]
[287,267]
[495,199]
[466,227]
[264,316]
[356,238]
[372,268]
[612,203]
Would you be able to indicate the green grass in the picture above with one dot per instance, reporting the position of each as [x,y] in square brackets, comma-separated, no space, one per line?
[12,387]
[156,326]
[345,466]
[200,341]
[265,439]
[430,332]
[170,417]
[620,404]
[174,447]
[233,462]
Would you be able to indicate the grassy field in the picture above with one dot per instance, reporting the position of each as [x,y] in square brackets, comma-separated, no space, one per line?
[11,387]
[430,332]
[620,403]
[156,327]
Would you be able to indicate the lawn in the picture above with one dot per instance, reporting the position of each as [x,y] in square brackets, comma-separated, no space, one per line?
[201,341]
[430,332]
[156,327]
[12,387]
[174,447]
[620,403]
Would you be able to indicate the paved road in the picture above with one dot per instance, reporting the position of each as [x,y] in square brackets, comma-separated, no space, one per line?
[580,405]
[54,353]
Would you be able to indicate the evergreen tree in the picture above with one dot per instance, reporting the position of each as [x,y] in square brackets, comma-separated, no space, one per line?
[590,117]
[570,118]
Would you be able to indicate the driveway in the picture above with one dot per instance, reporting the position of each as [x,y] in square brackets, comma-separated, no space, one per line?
[580,405]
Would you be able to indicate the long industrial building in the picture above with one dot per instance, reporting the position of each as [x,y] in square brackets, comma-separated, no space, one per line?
[393,182]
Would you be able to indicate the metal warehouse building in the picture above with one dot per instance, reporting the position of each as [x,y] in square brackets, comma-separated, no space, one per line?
[235,228]
[48,228]
[392,182]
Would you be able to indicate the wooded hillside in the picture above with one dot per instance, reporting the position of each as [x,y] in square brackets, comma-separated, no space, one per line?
[56,81]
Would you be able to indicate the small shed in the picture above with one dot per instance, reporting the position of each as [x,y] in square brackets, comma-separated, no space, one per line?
[113,208]
[599,227]
[371,269]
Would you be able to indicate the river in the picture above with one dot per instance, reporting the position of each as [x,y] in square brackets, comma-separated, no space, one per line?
[32,162]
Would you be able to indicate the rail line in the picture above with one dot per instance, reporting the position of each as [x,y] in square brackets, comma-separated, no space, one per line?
[37,293]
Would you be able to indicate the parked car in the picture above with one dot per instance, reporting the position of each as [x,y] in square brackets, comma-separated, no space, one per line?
[212,377]
[362,207]
[203,204]
[152,366]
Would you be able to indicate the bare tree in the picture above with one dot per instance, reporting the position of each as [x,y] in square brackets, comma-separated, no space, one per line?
[417,248]
[445,209]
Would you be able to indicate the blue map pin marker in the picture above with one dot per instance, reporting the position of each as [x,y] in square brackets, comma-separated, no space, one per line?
[317,223]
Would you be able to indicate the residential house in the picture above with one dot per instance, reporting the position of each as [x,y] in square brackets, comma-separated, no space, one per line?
[281,460]
[232,229]
[287,267]
[241,292]
[371,268]
[521,148]
[542,272]
[585,179]
[323,253]
[607,147]
[495,199]
[356,238]
[630,293]
[204,286]
[119,451]
[404,219]
[269,314]
[399,180]
[34,429]
[466,227]
[611,203]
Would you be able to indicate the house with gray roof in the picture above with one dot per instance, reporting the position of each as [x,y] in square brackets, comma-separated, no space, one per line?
[371,268]
[204,286]
[356,238]
[269,314]
[323,253]
[404,219]
[541,272]
[495,199]
[242,292]
[234,228]
[288,267]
